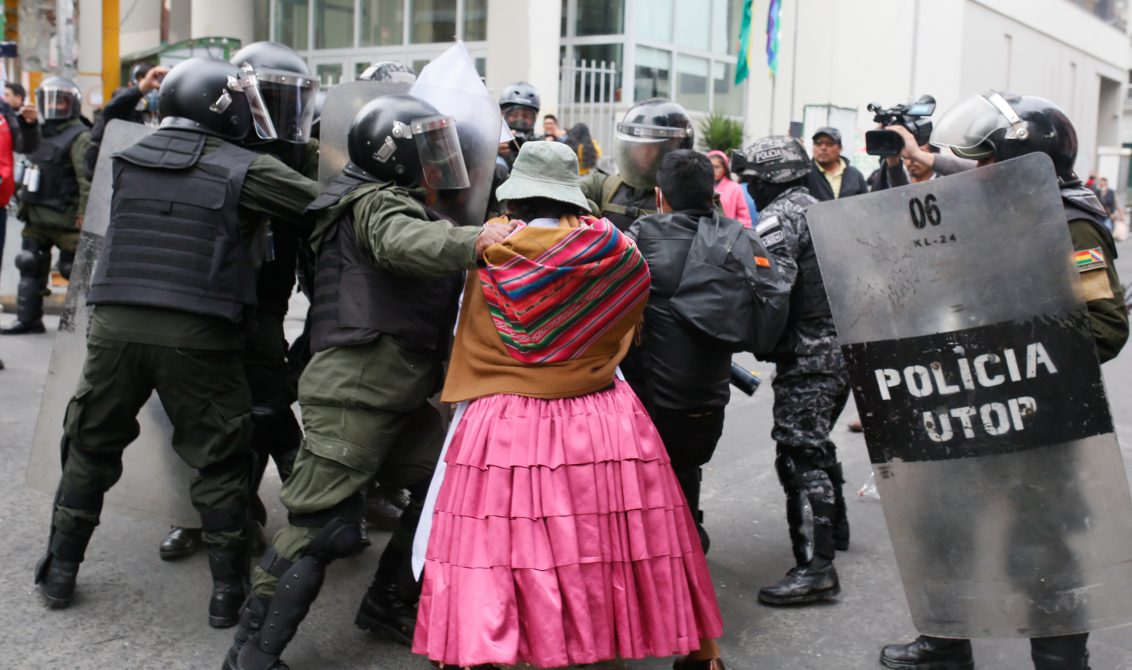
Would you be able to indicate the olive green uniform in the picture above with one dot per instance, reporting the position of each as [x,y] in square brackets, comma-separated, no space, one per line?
[193,363]
[1102,292]
[48,226]
[357,400]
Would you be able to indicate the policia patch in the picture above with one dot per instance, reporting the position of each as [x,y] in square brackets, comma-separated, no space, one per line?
[1091,264]
[981,391]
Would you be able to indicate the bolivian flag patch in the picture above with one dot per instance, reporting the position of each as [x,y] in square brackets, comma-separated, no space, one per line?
[1089,259]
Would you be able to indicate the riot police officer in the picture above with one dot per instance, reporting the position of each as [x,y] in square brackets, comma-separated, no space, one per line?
[649,130]
[519,104]
[172,290]
[383,310]
[992,127]
[389,70]
[811,385]
[52,199]
[287,90]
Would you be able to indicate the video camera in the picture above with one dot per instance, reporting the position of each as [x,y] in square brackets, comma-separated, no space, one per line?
[913,116]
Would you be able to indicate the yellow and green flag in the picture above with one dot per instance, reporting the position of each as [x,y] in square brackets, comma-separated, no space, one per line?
[743,66]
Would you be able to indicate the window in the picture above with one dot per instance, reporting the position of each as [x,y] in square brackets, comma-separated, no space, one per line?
[333,24]
[608,53]
[652,75]
[475,20]
[432,21]
[727,98]
[654,20]
[692,81]
[383,22]
[291,23]
[599,17]
[694,18]
[328,74]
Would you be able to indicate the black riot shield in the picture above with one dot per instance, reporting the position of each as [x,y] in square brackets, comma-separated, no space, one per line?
[338,111]
[973,367]
[155,481]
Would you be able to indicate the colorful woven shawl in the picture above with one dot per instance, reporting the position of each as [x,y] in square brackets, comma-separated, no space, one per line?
[551,305]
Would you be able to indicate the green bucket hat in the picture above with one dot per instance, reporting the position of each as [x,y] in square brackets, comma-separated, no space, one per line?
[544,170]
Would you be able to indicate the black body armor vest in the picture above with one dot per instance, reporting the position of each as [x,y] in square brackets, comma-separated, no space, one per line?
[355,301]
[807,299]
[622,204]
[174,235]
[58,187]
[1082,203]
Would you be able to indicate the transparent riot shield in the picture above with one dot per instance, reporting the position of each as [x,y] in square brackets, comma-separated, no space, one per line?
[973,367]
[451,84]
[343,103]
[155,481]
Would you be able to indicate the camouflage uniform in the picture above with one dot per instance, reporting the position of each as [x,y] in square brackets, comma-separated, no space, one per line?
[811,387]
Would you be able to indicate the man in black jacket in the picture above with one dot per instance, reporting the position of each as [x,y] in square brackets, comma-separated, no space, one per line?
[681,379]
[833,177]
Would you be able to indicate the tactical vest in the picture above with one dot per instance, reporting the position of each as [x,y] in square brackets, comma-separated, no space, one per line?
[1082,203]
[58,187]
[807,298]
[355,301]
[622,205]
[174,235]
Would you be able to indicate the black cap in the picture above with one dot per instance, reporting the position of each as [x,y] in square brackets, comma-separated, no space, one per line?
[833,134]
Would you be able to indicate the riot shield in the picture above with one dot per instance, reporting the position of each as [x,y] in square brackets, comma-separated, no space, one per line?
[342,104]
[451,84]
[974,370]
[155,481]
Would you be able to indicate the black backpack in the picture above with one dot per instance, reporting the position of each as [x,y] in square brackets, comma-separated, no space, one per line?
[730,291]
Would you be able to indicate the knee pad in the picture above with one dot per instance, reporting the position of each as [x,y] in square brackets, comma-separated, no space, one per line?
[787,470]
[30,263]
[835,474]
[341,529]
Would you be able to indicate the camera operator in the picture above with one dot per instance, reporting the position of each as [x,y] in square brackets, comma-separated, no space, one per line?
[903,170]
[832,176]
[927,156]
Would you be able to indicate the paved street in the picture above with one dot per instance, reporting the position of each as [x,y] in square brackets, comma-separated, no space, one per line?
[133,610]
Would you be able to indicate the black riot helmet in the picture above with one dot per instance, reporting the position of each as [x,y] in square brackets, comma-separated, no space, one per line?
[520,104]
[389,70]
[205,95]
[405,140]
[650,130]
[58,99]
[284,98]
[1007,125]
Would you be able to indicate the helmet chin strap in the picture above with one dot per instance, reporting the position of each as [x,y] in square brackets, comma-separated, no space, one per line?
[1019,129]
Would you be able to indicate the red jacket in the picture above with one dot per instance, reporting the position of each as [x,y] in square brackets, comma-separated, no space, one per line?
[7,182]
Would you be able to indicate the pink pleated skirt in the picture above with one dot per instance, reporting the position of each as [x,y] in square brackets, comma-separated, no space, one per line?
[561,537]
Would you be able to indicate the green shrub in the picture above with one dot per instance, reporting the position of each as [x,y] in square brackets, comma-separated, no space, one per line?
[718,131]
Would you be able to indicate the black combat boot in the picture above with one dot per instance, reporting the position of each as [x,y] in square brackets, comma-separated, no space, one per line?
[58,570]
[690,482]
[229,581]
[34,265]
[803,584]
[390,604]
[809,513]
[1061,652]
[179,543]
[929,653]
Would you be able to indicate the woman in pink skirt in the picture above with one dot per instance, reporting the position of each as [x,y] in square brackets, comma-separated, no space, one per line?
[559,535]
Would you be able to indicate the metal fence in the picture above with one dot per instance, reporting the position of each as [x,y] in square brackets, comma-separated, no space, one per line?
[587,94]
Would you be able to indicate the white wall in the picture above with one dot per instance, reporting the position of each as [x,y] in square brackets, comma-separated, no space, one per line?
[523,38]
[852,52]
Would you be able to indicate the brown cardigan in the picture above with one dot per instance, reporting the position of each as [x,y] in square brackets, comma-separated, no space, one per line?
[480,365]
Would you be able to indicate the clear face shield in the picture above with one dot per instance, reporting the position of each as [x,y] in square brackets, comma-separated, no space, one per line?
[639,150]
[520,119]
[282,104]
[968,124]
[438,146]
[56,104]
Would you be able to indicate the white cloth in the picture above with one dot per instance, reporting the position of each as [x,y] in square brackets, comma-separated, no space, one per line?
[424,528]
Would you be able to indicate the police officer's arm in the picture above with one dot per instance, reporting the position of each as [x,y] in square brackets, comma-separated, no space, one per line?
[782,241]
[78,164]
[403,240]
[591,186]
[276,190]
[1103,294]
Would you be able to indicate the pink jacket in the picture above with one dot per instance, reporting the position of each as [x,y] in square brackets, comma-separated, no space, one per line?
[734,204]
[731,194]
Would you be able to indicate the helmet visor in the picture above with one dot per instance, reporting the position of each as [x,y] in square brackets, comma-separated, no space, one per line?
[639,150]
[967,125]
[56,103]
[282,105]
[520,119]
[438,146]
